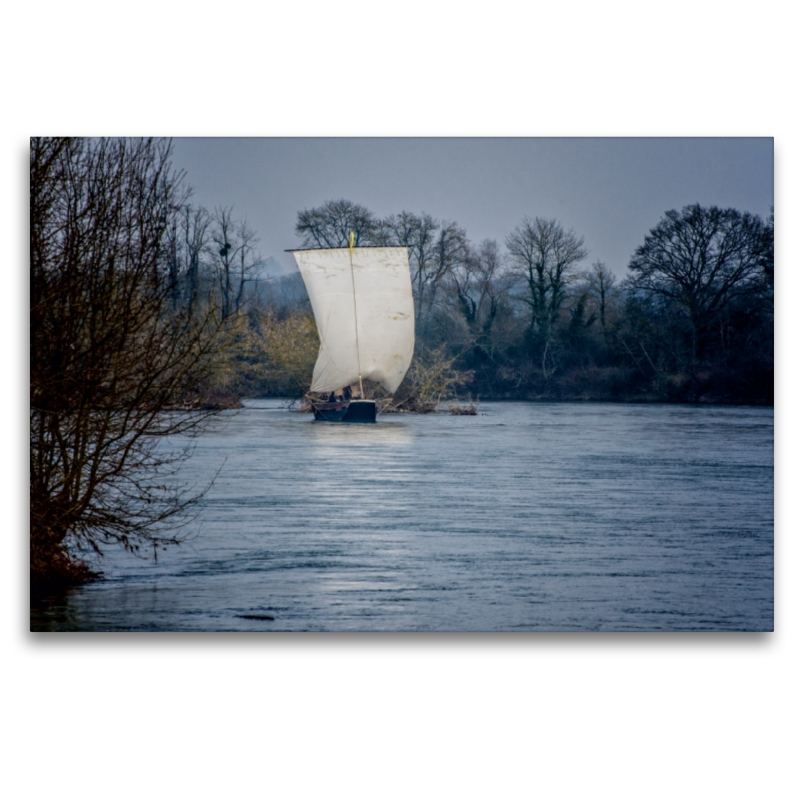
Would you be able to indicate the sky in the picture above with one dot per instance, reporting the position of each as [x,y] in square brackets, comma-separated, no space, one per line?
[611,191]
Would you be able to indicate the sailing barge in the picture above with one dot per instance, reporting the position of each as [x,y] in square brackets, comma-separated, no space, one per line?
[364,309]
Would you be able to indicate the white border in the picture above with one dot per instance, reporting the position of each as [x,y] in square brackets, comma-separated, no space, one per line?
[620,716]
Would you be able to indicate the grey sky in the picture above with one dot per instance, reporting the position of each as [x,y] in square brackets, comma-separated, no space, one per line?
[609,190]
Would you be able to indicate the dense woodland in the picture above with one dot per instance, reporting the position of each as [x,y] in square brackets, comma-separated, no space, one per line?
[146,306]
[534,318]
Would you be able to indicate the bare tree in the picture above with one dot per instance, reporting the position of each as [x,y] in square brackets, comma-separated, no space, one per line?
[544,257]
[699,260]
[187,248]
[600,281]
[237,258]
[110,350]
[417,232]
[479,283]
[769,251]
[450,251]
[330,224]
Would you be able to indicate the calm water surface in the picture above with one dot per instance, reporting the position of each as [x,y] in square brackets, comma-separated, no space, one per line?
[527,517]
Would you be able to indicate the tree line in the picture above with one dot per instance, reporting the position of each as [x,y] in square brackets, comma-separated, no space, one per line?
[529,317]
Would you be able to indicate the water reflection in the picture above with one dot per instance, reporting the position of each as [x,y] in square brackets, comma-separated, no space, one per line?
[390,429]
[528,517]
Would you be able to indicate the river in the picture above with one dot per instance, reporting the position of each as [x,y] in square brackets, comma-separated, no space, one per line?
[527,517]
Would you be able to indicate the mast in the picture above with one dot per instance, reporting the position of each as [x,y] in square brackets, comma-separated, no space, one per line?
[355,313]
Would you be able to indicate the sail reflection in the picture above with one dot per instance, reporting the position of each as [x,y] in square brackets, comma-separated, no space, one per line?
[388,432]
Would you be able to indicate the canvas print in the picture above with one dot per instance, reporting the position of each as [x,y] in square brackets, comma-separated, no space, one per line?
[401,384]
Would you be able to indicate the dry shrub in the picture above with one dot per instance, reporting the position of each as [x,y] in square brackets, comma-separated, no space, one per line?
[469,410]
[430,380]
[285,350]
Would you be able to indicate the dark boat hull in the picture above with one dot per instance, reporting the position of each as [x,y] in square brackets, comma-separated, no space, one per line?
[345,411]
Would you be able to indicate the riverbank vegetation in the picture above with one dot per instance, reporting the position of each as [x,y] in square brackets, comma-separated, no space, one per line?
[534,318]
[150,314]
[125,329]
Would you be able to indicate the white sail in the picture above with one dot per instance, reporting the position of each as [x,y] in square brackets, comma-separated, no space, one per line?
[364,309]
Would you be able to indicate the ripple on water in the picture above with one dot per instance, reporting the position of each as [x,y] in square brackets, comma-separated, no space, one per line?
[526,517]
